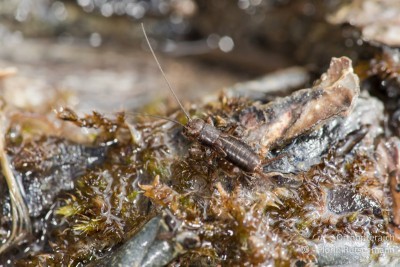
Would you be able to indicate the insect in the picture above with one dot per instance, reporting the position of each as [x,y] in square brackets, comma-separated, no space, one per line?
[232,149]
[277,123]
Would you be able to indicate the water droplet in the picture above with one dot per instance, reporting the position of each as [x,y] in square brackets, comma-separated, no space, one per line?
[243,4]
[95,39]
[83,2]
[107,10]
[135,10]
[212,41]
[226,44]
[59,10]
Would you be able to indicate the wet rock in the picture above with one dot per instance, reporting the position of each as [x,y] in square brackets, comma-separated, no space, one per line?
[49,166]
[345,199]
[156,244]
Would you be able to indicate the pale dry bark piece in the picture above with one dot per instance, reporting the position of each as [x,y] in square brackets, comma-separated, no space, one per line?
[282,120]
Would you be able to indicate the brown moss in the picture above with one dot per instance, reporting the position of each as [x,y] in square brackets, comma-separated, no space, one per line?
[241,220]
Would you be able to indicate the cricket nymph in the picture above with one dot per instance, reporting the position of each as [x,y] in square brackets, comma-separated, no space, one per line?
[234,150]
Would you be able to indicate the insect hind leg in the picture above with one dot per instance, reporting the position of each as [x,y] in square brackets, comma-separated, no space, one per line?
[249,177]
[279,157]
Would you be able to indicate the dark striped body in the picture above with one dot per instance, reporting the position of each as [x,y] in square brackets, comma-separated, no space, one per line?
[235,151]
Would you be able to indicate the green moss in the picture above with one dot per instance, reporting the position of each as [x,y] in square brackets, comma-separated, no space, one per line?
[69,210]
[132,196]
[87,226]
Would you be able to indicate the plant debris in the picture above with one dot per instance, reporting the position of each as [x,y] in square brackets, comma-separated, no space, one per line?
[139,183]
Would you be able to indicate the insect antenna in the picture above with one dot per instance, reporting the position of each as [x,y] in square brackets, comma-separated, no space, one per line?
[163,74]
[137,114]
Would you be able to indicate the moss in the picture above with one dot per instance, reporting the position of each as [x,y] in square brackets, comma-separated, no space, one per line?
[243,221]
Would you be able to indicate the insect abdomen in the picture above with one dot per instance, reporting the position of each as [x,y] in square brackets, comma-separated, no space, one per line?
[240,154]
[234,150]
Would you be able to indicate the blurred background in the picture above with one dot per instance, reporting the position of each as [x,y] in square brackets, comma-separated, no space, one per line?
[94,50]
